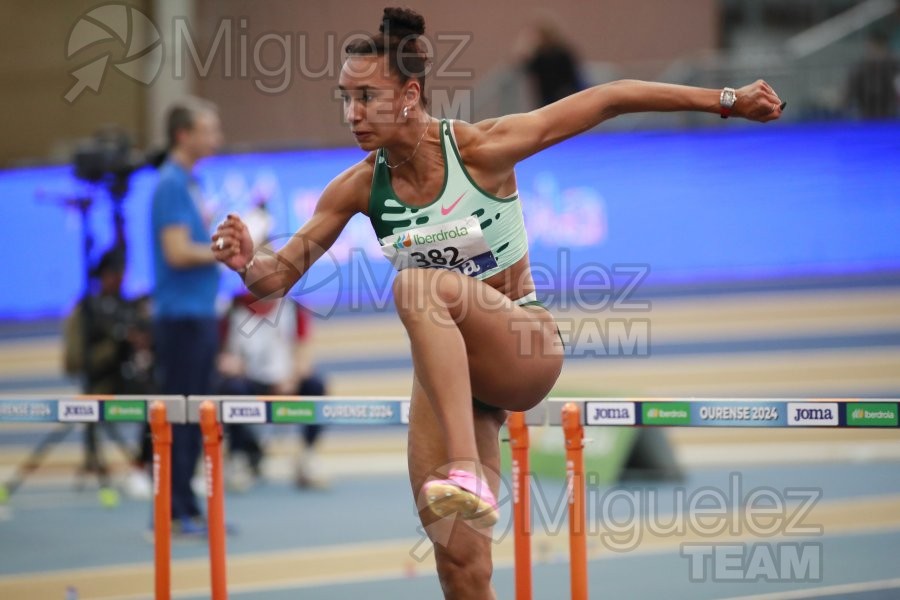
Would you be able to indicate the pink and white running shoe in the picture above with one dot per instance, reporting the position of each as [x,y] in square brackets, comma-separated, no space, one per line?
[465,494]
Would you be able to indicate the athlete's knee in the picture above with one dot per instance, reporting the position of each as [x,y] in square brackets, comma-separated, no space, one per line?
[407,288]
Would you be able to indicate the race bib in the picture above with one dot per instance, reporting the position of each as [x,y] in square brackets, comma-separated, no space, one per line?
[457,245]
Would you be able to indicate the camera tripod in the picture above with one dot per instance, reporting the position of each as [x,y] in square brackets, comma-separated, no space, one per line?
[94,462]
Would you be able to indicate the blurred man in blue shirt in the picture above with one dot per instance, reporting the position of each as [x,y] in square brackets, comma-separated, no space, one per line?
[187,280]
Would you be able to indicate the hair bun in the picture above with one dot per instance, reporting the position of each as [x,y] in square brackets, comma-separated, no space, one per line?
[401,22]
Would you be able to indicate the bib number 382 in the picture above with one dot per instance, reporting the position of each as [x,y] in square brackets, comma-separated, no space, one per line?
[458,245]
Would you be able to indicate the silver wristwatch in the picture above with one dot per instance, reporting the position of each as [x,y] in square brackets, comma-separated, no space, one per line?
[726,101]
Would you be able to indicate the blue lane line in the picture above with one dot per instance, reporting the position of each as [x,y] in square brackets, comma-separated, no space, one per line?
[26,330]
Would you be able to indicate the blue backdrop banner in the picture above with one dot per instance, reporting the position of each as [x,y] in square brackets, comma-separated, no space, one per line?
[653,209]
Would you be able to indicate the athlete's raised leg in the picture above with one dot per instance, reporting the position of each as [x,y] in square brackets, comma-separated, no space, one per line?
[470,340]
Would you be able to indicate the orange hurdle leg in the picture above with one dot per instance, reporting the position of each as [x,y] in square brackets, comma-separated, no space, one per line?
[574,433]
[215,497]
[521,478]
[162,499]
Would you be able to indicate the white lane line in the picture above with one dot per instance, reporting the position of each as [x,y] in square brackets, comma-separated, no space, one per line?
[831,590]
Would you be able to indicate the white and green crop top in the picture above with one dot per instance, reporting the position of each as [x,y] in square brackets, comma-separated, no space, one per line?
[464,228]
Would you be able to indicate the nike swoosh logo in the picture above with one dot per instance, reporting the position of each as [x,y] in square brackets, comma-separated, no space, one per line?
[446,210]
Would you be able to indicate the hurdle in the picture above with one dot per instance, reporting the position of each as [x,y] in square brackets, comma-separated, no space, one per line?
[211,412]
[572,414]
[160,411]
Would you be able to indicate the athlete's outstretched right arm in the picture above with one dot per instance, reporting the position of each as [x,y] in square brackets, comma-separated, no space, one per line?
[274,274]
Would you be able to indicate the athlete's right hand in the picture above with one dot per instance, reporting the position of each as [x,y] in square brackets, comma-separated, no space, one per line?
[232,244]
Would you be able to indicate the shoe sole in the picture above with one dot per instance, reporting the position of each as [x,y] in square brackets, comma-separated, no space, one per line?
[445,499]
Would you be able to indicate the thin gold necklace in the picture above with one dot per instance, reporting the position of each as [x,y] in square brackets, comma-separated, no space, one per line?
[408,158]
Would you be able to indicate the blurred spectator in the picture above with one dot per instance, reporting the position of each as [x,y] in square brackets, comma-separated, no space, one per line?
[874,83]
[119,361]
[186,283]
[548,60]
[266,352]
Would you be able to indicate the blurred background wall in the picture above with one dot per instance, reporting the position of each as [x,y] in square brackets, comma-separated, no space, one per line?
[38,125]
[265,98]
[272,67]
[472,40]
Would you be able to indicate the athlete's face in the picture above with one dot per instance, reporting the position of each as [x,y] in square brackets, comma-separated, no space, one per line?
[373,100]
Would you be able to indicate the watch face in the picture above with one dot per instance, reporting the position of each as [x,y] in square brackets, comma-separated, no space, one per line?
[727,99]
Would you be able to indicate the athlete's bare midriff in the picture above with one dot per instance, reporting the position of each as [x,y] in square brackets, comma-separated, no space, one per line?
[514,282]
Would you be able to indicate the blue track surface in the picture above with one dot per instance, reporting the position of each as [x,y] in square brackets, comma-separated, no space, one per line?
[61,529]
